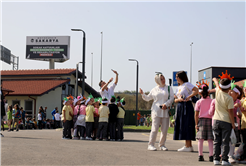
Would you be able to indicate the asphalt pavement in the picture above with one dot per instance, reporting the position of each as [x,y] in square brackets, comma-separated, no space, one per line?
[45,147]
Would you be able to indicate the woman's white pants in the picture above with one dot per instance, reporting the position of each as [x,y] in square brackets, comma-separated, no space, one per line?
[156,122]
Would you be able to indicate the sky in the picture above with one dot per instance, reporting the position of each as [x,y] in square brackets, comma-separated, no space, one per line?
[157,34]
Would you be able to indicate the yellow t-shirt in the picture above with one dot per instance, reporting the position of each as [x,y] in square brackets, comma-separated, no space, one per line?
[103,113]
[223,102]
[67,109]
[243,119]
[89,113]
[121,113]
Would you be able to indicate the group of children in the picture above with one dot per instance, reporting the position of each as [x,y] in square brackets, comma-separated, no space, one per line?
[93,118]
[216,119]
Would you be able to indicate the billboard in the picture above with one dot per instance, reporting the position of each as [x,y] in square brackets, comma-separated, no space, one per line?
[48,47]
[175,82]
[5,54]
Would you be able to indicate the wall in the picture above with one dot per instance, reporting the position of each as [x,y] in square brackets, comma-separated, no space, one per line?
[50,100]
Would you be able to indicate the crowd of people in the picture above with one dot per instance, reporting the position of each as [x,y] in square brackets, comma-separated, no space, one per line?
[215,120]
[93,118]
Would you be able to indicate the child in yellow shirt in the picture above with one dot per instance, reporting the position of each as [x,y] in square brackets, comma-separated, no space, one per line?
[89,118]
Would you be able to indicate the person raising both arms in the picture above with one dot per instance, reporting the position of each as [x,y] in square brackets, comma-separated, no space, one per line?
[108,92]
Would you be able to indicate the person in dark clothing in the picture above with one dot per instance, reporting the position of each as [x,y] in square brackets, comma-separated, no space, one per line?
[113,109]
[2,106]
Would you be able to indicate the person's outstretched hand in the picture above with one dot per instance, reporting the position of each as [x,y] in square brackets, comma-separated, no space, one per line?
[115,72]
[140,91]
[111,79]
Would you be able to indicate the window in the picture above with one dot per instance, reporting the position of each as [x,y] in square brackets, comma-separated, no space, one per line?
[15,102]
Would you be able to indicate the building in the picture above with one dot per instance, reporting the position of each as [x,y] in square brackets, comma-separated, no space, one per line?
[239,73]
[34,88]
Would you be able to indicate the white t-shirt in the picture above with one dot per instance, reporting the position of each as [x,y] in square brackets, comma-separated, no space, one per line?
[39,117]
[184,89]
[108,93]
[57,116]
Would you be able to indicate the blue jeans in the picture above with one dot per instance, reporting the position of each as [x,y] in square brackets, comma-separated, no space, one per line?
[1,117]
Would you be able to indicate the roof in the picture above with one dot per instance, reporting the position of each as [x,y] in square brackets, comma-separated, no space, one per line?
[38,72]
[6,90]
[32,87]
[89,89]
[222,67]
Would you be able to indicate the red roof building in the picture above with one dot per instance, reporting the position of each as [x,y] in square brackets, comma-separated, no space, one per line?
[47,87]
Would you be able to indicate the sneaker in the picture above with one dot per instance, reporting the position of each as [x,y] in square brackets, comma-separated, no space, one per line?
[76,138]
[216,162]
[226,163]
[192,149]
[97,139]
[111,139]
[17,130]
[200,158]
[231,159]
[211,158]
[184,149]
[87,138]
[104,139]
[163,148]
[9,130]
[151,147]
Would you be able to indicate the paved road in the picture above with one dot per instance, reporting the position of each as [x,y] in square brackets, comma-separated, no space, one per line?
[45,147]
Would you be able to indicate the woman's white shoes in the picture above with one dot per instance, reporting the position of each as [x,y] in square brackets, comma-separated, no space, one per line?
[151,147]
[185,149]
[163,148]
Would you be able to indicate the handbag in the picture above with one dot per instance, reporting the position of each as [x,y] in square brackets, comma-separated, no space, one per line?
[194,99]
[171,112]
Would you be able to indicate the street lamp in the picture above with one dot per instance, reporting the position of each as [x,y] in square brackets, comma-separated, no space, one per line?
[101,55]
[191,62]
[77,77]
[136,90]
[91,68]
[83,58]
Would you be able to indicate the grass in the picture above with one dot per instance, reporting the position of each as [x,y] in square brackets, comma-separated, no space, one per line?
[170,130]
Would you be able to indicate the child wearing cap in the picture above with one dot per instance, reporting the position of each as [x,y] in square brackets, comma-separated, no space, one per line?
[236,93]
[120,118]
[103,120]
[67,116]
[81,119]
[114,110]
[96,117]
[89,119]
[223,120]
[203,121]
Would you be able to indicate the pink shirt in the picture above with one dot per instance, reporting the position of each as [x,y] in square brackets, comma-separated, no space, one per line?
[96,112]
[75,111]
[82,110]
[203,106]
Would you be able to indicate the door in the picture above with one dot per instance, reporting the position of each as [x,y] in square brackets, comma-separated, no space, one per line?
[29,108]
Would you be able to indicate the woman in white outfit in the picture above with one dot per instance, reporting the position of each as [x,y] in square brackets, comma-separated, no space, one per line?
[159,116]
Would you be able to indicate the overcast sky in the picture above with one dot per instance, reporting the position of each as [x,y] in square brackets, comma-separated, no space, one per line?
[157,34]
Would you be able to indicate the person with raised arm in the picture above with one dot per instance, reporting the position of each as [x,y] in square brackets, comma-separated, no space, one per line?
[163,97]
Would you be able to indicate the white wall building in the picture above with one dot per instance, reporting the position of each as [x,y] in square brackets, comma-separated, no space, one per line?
[47,88]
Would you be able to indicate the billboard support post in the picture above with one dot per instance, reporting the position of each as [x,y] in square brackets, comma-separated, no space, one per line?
[52,64]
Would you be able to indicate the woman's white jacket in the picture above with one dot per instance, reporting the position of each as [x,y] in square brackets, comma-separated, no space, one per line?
[160,96]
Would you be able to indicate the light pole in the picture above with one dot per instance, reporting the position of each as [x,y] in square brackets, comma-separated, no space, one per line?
[83,58]
[91,69]
[77,77]
[136,90]
[191,62]
[101,55]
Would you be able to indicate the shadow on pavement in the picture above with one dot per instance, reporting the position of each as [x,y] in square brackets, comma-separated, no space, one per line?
[26,137]
[127,140]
